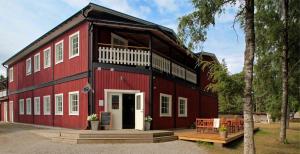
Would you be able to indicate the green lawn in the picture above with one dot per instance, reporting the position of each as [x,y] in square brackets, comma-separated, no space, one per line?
[266,141]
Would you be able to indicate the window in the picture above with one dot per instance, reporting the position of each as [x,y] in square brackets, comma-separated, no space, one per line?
[74,103]
[182,107]
[165,105]
[28,106]
[74,45]
[46,102]
[37,106]
[21,106]
[59,104]
[28,66]
[118,40]
[37,62]
[59,52]
[11,74]
[115,102]
[47,57]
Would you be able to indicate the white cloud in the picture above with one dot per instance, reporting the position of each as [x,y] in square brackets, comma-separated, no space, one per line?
[145,9]
[168,5]
[77,3]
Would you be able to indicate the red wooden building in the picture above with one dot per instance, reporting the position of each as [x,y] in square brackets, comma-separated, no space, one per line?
[103,60]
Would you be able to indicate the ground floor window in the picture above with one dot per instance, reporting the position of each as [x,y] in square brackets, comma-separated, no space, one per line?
[165,105]
[74,103]
[47,103]
[182,107]
[28,106]
[21,106]
[37,106]
[59,104]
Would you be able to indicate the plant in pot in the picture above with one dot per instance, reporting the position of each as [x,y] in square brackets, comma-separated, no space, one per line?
[223,131]
[94,121]
[148,120]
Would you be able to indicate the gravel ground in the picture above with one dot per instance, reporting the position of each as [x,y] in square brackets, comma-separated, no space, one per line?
[15,139]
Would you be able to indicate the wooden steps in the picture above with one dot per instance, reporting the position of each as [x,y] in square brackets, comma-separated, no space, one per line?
[103,137]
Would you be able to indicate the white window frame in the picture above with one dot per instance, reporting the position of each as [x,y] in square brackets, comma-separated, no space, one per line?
[70,45]
[71,105]
[185,107]
[37,102]
[28,108]
[37,66]
[21,106]
[45,105]
[115,36]
[28,66]
[11,74]
[49,58]
[62,52]
[62,104]
[169,104]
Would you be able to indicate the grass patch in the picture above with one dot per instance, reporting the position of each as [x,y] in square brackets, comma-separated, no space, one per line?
[266,141]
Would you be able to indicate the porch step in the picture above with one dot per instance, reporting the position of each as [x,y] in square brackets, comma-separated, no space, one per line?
[165,139]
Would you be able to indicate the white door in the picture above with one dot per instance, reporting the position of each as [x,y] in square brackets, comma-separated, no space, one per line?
[115,107]
[139,111]
[5,111]
[11,111]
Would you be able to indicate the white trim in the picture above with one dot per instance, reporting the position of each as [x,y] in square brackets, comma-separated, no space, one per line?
[44,106]
[106,91]
[49,50]
[62,104]
[62,45]
[170,105]
[119,38]
[37,103]
[185,107]
[11,111]
[34,62]
[70,105]
[28,110]
[70,44]
[26,69]
[21,112]
[11,74]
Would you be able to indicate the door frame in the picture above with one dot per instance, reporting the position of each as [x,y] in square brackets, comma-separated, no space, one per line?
[121,91]
[11,111]
[5,118]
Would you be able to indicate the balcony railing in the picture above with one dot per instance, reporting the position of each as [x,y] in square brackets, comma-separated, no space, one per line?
[126,56]
[3,93]
[161,63]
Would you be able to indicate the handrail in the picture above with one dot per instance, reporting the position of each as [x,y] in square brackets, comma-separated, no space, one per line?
[124,46]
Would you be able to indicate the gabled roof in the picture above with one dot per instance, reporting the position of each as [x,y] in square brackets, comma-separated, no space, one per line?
[78,18]
[209,54]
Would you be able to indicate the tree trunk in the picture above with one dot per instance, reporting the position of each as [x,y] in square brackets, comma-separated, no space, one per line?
[249,146]
[284,68]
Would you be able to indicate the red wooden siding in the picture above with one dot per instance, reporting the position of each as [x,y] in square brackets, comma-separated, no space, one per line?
[106,79]
[208,107]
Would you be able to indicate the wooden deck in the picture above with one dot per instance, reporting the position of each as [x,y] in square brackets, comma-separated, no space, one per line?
[193,135]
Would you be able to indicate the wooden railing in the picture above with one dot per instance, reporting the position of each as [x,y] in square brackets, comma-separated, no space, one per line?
[161,63]
[126,56]
[190,76]
[178,71]
[233,125]
[3,93]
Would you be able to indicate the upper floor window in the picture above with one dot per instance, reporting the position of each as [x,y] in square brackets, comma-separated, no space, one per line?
[28,106]
[74,45]
[74,103]
[59,104]
[37,62]
[11,74]
[59,52]
[118,40]
[37,106]
[46,103]
[28,66]
[47,57]
[182,107]
[165,105]
[21,106]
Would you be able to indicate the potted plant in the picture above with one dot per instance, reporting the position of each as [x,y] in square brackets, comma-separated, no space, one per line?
[94,121]
[223,131]
[148,120]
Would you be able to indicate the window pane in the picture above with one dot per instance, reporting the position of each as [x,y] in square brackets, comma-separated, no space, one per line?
[115,102]
[138,102]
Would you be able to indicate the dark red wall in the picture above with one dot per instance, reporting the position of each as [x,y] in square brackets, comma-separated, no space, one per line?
[106,79]
[208,107]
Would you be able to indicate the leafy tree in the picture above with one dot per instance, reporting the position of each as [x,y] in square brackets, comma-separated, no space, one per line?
[192,30]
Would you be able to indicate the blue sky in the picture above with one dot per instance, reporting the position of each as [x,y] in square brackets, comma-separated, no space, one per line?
[21,22]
